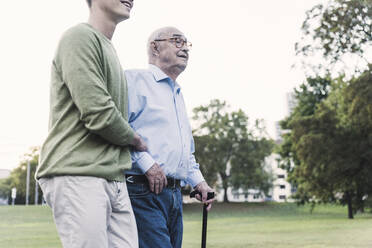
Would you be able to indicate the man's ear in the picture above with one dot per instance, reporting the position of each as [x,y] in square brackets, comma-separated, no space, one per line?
[154,49]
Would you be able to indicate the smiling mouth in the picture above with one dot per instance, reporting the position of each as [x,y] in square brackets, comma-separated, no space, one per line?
[127,4]
[183,56]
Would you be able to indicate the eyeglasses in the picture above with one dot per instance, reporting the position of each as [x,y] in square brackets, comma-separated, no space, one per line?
[178,42]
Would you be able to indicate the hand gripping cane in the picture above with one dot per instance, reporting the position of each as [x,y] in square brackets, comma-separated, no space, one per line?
[205,215]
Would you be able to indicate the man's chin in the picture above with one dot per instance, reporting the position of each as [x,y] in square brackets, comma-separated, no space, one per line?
[123,17]
[182,67]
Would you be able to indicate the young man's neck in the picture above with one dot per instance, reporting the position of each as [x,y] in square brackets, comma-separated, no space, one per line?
[102,24]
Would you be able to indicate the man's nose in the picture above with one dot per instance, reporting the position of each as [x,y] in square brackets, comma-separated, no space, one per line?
[185,48]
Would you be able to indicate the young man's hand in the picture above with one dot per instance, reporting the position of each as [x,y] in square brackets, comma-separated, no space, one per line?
[138,143]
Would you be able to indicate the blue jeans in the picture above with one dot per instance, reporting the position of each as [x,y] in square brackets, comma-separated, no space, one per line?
[158,217]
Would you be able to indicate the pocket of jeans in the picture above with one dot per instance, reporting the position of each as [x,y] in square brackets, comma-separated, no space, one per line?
[42,181]
[46,189]
[137,190]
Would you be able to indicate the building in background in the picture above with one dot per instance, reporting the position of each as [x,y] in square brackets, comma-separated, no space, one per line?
[291,102]
[278,133]
[282,189]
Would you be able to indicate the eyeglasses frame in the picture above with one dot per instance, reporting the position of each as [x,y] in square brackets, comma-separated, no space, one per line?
[174,40]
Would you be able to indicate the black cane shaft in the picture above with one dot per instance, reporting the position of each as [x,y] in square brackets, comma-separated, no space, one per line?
[210,195]
[204,230]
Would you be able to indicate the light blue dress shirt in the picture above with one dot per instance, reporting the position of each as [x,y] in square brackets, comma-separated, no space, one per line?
[157,113]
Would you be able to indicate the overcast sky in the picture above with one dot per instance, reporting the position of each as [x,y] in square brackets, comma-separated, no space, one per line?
[242,53]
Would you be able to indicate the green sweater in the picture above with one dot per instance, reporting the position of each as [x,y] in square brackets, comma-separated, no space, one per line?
[88,129]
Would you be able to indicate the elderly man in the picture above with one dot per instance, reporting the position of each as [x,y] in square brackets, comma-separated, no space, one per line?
[157,113]
[82,161]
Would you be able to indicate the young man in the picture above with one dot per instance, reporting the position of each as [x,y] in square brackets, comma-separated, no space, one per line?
[157,112]
[82,161]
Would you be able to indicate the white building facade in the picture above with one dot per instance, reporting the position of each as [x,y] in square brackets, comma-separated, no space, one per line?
[281,190]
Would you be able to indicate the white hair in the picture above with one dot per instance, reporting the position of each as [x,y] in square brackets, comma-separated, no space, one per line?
[157,34]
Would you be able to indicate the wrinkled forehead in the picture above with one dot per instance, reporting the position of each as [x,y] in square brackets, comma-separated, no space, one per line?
[174,33]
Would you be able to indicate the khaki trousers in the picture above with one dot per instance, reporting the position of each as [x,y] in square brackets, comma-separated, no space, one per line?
[91,212]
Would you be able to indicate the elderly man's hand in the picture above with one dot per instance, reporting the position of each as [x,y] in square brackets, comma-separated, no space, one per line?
[203,188]
[157,179]
[138,143]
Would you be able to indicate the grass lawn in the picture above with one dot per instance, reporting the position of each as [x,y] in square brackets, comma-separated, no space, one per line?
[229,225]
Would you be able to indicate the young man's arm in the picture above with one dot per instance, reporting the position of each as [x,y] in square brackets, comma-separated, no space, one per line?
[80,64]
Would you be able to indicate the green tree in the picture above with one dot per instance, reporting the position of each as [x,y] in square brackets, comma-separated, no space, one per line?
[314,171]
[17,178]
[5,189]
[336,31]
[321,145]
[227,148]
[333,146]
[308,95]
[247,165]
[354,111]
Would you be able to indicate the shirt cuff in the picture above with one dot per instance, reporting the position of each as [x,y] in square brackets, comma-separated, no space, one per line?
[195,178]
[145,162]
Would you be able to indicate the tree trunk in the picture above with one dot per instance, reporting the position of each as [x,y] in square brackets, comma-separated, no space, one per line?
[225,198]
[349,205]
[225,184]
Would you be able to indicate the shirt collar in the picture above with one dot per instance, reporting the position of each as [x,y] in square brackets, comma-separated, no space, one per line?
[159,75]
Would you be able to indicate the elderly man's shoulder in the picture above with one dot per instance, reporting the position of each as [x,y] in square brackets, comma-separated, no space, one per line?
[138,75]
[137,71]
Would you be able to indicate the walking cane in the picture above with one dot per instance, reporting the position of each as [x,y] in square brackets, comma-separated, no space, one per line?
[205,216]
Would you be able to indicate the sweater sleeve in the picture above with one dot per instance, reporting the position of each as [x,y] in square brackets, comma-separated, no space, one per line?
[79,61]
